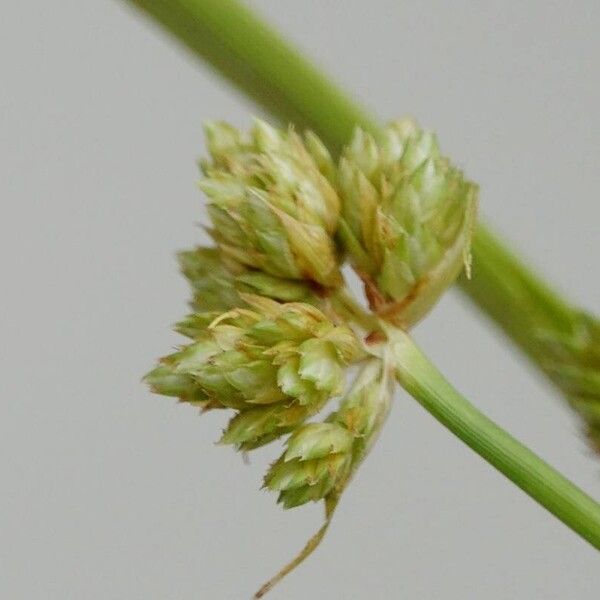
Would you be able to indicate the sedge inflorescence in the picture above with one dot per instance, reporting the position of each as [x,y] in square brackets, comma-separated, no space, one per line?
[273,333]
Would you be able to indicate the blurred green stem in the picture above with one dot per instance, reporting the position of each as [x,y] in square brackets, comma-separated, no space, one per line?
[513,296]
[230,37]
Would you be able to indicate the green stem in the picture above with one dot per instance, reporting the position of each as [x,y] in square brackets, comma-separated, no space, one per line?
[513,296]
[527,470]
[239,45]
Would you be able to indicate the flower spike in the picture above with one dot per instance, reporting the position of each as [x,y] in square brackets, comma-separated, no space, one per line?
[272,206]
[276,364]
[270,335]
[407,219]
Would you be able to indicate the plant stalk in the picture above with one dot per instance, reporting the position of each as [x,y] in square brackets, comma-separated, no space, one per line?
[513,296]
[252,56]
[548,487]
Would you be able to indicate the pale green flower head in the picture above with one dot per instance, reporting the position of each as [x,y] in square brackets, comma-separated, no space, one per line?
[270,335]
[365,408]
[407,219]
[321,457]
[272,205]
[166,380]
[212,282]
[317,461]
[275,363]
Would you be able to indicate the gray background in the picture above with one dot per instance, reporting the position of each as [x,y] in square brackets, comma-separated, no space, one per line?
[109,492]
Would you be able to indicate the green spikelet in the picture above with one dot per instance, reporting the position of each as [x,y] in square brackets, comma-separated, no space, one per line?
[276,364]
[365,408]
[407,218]
[317,460]
[216,283]
[321,458]
[272,206]
[212,282]
[168,382]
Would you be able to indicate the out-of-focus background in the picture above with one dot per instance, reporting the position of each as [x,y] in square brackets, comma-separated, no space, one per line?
[111,493]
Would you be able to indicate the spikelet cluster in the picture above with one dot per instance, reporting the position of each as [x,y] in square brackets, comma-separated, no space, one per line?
[271,205]
[265,338]
[320,457]
[272,331]
[407,219]
[274,363]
